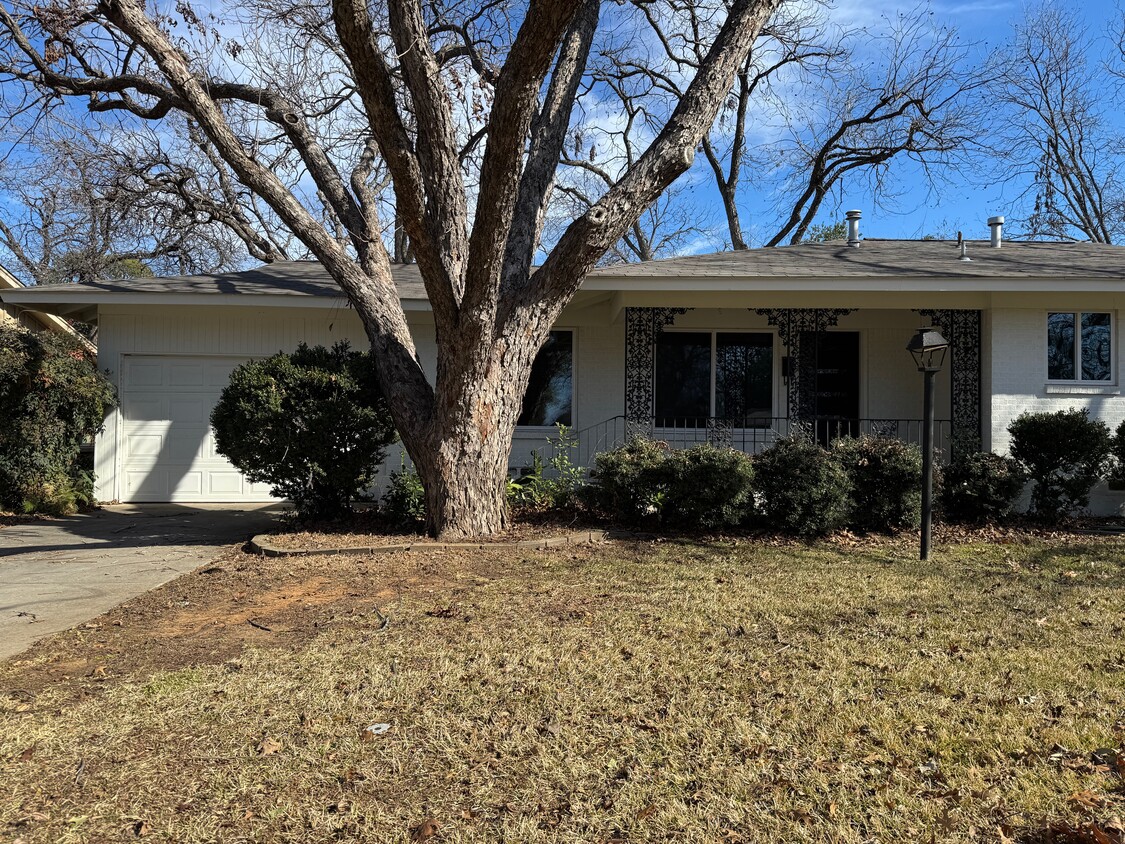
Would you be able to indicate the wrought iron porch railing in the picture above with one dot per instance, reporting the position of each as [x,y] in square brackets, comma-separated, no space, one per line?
[750,435]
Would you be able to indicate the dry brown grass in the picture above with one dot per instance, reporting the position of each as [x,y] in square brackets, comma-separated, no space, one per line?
[634,692]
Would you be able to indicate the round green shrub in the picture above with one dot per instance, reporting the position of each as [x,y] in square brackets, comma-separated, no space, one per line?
[886,480]
[800,489]
[52,399]
[630,483]
[313,424]
[981,487]
[709,488]
[1064,453]
[1117,455]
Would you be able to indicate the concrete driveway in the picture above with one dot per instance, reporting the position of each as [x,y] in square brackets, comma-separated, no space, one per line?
[57,573]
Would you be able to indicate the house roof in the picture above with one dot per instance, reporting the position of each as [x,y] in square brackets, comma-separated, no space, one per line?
[48,321]
[890,258]
[833,268]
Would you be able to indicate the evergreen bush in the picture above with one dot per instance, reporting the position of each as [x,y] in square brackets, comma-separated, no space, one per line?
[630,483]
[313,424]
[885,476]
[981,487]
[52,399]
[1117,454]
[1064,453]
[709,488]
[800,489]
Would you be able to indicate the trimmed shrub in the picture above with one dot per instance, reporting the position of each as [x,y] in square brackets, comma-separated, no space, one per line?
[313,424]
[404,502]
[630,482]
[52,399]
[1064,453]
[800,489]
[709,488]
[1117,453]
[886,480]
[981,487]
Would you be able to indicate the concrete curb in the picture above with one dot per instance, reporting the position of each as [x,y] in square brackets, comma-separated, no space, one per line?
[261,545]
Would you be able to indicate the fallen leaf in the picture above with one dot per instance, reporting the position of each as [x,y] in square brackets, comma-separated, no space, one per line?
[1086,798]
[647,812]
[426,830]
[141,829]
[27,753]
[268,747]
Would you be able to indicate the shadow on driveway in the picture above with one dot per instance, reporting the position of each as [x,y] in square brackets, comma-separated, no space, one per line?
[56,573]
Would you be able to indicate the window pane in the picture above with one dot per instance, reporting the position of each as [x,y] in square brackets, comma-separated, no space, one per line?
[550,389]
[683,378]
[1096,353]
[1060,347]
[744,377]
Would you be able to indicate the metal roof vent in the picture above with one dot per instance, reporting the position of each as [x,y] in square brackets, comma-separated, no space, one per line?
[964,247]
[853,227]
[997,226]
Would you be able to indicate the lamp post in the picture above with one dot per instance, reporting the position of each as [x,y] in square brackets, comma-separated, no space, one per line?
[928,350]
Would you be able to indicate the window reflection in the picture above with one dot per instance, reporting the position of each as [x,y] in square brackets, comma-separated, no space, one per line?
[550,390]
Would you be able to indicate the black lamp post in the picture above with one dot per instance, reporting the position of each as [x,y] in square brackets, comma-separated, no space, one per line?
[928,349]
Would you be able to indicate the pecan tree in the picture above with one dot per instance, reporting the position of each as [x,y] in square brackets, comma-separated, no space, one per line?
[424,88]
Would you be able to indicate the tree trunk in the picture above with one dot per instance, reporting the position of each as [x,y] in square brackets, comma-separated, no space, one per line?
[462,456]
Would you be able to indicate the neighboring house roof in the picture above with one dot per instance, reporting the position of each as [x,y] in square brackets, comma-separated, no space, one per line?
[49,322]
[875,267]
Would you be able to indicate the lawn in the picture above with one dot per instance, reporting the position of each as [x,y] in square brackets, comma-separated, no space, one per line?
[648,691]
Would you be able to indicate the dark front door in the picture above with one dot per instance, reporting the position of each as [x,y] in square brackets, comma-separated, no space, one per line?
[836,386]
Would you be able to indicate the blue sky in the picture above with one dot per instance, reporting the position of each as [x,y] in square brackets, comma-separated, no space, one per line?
[962,205]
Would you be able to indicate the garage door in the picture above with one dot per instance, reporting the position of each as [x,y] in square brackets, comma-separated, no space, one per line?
[166,448]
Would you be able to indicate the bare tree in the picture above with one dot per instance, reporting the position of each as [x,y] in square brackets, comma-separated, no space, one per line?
[823,109]
[919,104]
[402,74]
[1054,133]
[83,207]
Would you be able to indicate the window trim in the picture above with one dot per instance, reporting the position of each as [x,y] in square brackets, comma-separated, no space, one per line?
[775,367]
[1079,381]
[539,430]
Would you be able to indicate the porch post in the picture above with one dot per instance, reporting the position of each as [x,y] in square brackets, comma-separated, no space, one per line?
[962,328]
[791,323]
[641,327]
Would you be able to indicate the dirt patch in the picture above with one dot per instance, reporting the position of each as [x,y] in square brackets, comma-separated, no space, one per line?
[212,614]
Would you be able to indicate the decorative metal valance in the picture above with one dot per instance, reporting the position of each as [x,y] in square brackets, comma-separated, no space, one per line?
[791,324]
[642,325]
[962,328]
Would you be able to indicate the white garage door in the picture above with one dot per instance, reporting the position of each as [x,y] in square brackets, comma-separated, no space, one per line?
[166,448]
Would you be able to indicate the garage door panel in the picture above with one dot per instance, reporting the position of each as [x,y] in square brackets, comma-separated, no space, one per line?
[141,409]
[185,445]
[144,374]
[167,447]
[146,485]
[189,409]
[225,483]
[144,445]
[218,374]
[188,486]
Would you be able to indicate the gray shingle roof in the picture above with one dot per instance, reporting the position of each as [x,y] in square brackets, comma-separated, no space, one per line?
[896,258]
[285,278]
[872,259]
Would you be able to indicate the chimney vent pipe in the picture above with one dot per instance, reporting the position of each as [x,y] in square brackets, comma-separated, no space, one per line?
[997,226]
[853,227]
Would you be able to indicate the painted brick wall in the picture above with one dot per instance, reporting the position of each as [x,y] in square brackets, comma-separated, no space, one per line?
[1017,357]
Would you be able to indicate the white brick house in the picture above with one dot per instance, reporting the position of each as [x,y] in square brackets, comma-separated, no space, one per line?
[734,347]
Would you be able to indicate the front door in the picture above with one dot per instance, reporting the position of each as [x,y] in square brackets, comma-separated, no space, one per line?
[836,387]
